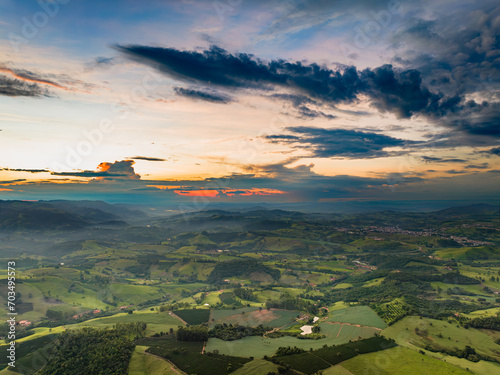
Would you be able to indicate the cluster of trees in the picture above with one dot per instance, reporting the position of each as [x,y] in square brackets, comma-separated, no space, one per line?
[288,350]
[245,294]
[90,351]
[229,332]
[174,306]
[289,303]
[491,322]
[192,333]
[138,329]
[468,352]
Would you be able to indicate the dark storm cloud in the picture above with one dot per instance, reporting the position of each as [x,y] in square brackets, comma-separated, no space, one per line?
[311,88]
[147,158]
[328,143]
[15,87]
[206,96]
[494,151]
[461,59]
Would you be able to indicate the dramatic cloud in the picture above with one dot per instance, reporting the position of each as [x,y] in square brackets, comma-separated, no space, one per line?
[202,95]
[118,170]
[455,59]
[342,143]
[312,90]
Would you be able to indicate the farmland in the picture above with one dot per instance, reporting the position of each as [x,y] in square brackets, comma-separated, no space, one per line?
[260,289]
[361,315]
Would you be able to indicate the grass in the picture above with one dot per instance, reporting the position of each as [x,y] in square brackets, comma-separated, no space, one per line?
[257,347]
[143,363]
[362,315]
[157,322]
[313,361]
[396,361]
[443,334]
[255,367]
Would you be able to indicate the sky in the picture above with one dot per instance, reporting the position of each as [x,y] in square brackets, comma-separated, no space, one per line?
[189,102]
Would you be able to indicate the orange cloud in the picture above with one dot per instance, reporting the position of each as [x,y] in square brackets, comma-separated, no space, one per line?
[165,187]
[253,191]
[27,78]
[197,193]
[229,192]
[4,189]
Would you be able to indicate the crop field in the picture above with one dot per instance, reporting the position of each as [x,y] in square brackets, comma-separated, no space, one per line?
[200,364]
[395,361]
[253,317]
[197,316]
[444,334]
[362,315]
[259,346]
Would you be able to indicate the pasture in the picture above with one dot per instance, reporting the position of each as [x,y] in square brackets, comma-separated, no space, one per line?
[442,333]
[362,315]
[157,322]
[143,363]
[395,361]
[258,347]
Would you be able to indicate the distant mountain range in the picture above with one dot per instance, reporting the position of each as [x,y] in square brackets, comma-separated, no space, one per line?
[73,215]
[51,215]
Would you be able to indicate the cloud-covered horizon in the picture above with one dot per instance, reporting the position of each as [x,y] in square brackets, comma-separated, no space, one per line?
[302,100]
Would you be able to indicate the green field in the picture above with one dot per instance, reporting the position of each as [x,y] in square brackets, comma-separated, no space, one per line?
[255,367]
[394,361]
[143,363]
[444,334]
[157,322]
[361,315]
[259,346]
